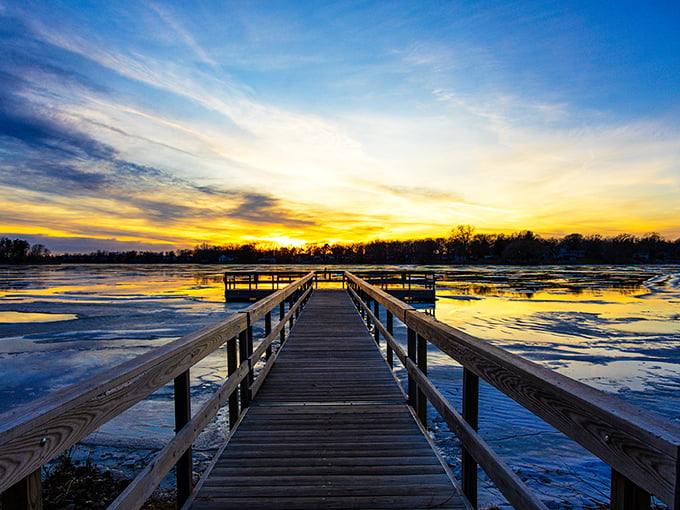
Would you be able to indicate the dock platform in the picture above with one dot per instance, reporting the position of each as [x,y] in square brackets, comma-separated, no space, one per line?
[407,285]
[329,428]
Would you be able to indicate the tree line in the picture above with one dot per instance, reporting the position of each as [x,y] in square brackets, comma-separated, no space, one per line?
[463,245]
[19,251]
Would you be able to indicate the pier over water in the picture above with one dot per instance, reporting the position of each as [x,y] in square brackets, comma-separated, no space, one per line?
[407,285]
[329,428]
[317,419]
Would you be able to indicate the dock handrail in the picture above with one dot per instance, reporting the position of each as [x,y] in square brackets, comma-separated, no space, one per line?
[380,278]
[32,435]
[642,449]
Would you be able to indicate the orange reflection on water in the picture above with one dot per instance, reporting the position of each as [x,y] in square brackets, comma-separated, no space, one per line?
[100,284]
[24,317]
[520,316]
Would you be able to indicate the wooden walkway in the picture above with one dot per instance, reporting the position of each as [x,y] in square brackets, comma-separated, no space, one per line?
[329,429]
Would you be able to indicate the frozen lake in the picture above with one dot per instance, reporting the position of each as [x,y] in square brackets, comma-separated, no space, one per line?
[613,327]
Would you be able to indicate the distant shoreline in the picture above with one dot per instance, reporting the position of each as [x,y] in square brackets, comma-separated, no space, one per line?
[462,247]
[85,261]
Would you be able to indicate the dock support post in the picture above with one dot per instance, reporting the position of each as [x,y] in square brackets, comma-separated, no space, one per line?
[184,466]
[471,415]
[282,314]
[267,332]
[249,343]
[243,358]
[232,366]
[422,366]
[390,330]
[413,356]
[26,494]
[626,495]
[376,312]
[367,301]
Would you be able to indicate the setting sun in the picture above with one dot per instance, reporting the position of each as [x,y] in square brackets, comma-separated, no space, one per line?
[286,241]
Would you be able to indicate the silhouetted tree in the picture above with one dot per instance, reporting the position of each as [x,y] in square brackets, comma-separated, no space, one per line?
[13,250]
[462,246]
[525,248]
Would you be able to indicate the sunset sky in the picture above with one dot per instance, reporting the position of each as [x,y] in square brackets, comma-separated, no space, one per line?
[161,125]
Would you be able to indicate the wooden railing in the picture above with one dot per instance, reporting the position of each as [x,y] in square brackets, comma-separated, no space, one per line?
[379,278]
[35,434]
[401,278]
[260,279]
[643,450]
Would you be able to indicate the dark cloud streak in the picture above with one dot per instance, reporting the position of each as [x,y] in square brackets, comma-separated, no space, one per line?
[46,154]
[80,244]
[20,121]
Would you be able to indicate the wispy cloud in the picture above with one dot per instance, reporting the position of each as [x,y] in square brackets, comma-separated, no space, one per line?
[171,20]
[325,123]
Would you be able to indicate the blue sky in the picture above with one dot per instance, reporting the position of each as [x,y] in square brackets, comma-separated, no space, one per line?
[166,124]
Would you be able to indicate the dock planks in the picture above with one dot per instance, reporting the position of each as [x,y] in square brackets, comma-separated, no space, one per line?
[328,429]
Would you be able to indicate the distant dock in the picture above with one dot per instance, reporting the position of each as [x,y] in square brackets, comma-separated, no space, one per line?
[410,286]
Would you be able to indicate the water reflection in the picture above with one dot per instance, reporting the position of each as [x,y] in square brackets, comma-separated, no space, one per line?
[615,328]
[525,282]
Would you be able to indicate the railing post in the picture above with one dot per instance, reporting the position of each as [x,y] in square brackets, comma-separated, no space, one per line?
[413,356]
[367,303]
[232,366]
[625,495]
[471,415]
[376,312]
[267,332]
[183,467]
[422,366]
[390,328]
[26,494]
[282,314]
[292,316]
[249,340]
[244,354]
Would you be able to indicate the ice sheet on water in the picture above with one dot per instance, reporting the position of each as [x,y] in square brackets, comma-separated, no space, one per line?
[610,327]
[616,329]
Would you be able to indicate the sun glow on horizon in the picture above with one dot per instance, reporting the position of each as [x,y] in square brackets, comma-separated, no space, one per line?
[284,241]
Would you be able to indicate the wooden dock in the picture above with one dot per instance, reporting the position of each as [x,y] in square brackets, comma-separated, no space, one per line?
[318,421]
[329,428]
[407,285]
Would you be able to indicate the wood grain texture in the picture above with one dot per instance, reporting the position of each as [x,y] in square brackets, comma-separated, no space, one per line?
[24,495]
[329,428]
